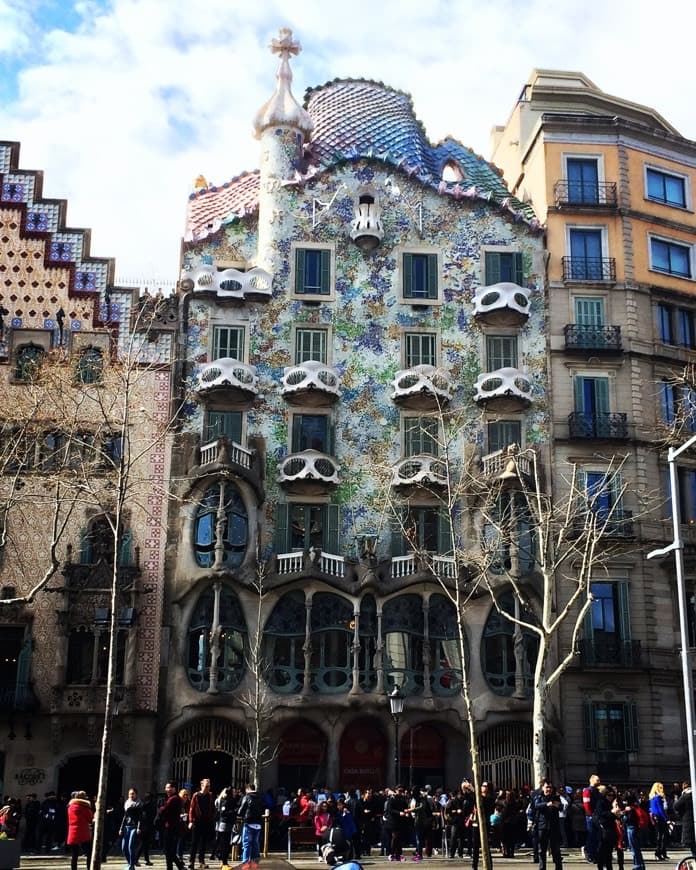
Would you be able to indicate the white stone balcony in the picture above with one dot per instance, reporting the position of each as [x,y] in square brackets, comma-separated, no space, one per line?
[311,383]
[300,560]
[308,467]
[507,389]
[403,567]
[228,375]
[504,304]
[421,470]
[509,464]
[422,387]
[230,283]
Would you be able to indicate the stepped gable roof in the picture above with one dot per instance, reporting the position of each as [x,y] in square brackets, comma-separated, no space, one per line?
[211,207]
[359,119]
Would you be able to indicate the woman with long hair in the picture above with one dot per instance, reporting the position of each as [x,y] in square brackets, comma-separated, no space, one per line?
[658,816]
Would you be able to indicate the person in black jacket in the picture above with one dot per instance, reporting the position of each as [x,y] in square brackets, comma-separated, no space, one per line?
[684,808]
[605,816]
[546,810]
[251,814]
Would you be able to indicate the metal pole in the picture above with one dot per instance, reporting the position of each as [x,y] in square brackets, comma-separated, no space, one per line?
[678,547]
[397,759]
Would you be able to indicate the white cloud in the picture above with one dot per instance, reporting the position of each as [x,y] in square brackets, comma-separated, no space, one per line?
[126,110]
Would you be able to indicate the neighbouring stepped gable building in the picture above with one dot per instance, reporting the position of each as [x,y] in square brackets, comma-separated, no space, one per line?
[332,303]
[614,184]
[59,308]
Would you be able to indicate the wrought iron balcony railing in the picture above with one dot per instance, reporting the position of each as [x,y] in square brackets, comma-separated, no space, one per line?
[589,268]
[610,652]
[600,339]
[587,194]
[609,426]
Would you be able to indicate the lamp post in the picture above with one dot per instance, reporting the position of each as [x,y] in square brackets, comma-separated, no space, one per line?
[677,547]
[396,705]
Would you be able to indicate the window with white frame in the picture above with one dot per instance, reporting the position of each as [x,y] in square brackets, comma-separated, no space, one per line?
[501,352]
[420,436]
[665,187]
[310,345]
[671,257]
[420,348]
[228,342]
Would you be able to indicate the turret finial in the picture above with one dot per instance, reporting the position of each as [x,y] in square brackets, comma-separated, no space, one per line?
[283,109]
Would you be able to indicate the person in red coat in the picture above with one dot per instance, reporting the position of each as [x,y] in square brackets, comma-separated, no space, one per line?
[80,817]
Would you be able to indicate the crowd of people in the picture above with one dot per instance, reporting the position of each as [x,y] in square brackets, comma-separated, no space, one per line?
[194,828]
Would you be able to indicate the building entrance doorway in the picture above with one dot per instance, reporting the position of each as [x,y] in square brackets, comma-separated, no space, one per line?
[302,757]
[423,756]
[215,766]
[81,773]
[363,755]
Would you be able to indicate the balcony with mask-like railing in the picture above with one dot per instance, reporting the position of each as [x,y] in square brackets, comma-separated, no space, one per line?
[422,470]
[310,383]
[504,304]
[597,427]
[422,387]
[597,339]
[309,472]
[233,284]
[228,378]
[506,389]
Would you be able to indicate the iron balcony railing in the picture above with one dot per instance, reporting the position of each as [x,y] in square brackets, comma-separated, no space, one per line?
[17,697]
[610,651]
[589,269]
[610,426]
[597,194]
[601,339]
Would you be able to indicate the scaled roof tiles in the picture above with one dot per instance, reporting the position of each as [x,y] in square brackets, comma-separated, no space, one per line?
[356,119]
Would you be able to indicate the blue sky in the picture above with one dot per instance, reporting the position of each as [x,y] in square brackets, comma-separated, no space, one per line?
[123,103]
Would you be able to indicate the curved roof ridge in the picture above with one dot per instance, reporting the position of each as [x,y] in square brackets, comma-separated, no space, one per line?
[214,188]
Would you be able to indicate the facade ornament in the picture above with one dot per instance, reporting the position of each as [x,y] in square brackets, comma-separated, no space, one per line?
[283,110]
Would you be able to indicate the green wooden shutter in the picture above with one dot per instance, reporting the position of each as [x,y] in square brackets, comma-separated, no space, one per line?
[433,276]
[518,263]
[398,544]
[330,437]
[578,387]
[125,555]
[299,270]
[624,611]
[282,522]
[589,311]
[333,528]
[296,432]
[85,547]
[407,288]
[601,395]
[589,729]
[325,272]
[492,267]
[444,534]
[630,717]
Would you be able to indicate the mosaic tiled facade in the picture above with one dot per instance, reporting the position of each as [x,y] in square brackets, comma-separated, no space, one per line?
[330,320]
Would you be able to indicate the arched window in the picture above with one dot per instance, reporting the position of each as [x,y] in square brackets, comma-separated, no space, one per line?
[445,662]
[402,628]
[90,366]
[220,512]
[231,631]
[506,657]
[29,359]
[284,637]
[368,643]
[83,668]
[333,622]
[98,543]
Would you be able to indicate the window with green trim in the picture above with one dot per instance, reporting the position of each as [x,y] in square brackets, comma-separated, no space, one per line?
[223,424]
[504,266]
[421,436]
[310,344]
[312,271]
[299,526]
[420,349]
[501,352]
[502,433]
[420,276]
[228,342]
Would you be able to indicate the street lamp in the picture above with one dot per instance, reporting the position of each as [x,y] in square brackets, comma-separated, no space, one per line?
[396,705]
[677,547]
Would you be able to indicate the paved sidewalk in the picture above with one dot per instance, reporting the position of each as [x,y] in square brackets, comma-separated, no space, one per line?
[306,860]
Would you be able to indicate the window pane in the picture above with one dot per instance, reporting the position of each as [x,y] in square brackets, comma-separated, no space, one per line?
[228,341]
[501,351]
[501,433]
[310,344]
[420,436]
[669,189]
[420,349]
[224,424]
[670,257]
[307,526]
[310,432]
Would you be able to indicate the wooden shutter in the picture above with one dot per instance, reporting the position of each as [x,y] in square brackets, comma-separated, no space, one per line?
[23,673]
[590,731]
[325,272]
[624,611]
[398,544]
[332,536]
[282,522]
[125,554]
[299,270]
[492,267]
[601,395]
[433,277]
[444,534]
[407,286]
[296,433]
[518,268]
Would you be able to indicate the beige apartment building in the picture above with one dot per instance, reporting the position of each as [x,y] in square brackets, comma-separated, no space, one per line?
[613,182]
